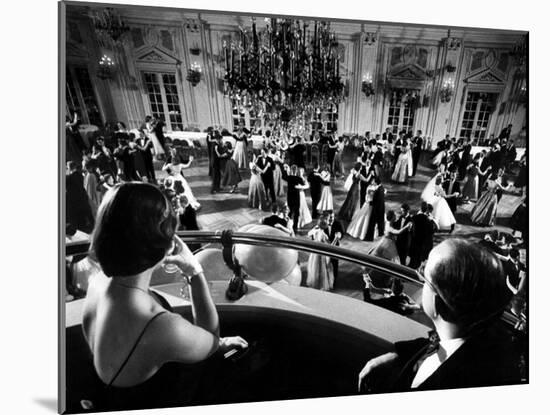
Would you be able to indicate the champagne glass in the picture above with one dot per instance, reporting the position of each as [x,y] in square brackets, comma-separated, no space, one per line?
[172,268]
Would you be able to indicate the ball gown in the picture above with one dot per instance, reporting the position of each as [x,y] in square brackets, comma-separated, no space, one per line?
[360,220]
[484,211]
[319,268]
[305,215]
[256,189]
[352,202]
[326,202]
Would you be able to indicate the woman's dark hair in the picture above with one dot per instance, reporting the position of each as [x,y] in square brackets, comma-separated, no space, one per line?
[390,216]
[134,228]
[357,166]
[470,282]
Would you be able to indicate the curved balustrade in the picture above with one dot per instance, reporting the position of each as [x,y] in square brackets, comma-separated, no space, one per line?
[390,269]
[378,264]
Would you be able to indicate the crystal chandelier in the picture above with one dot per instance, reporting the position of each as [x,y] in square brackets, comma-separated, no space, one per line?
[286,71]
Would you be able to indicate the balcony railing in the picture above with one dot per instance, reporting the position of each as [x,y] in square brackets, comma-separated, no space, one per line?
[388,268]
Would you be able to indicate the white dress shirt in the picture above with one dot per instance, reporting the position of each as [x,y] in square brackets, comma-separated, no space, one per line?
[432,362]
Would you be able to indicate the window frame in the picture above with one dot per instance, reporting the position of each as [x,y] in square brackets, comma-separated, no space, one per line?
[490,101]
[159,77]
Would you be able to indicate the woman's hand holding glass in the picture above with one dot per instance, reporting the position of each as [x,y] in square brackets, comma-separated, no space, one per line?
[183,258]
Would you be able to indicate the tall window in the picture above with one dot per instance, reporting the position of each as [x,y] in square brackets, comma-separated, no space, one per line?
[244,116]
[81,96]
[402,109]
[477,114]
[325,119]
[164,100]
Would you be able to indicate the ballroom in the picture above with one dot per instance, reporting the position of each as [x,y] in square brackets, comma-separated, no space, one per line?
[281,189]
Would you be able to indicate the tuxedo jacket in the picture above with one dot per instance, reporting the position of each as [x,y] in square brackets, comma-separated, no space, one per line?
[488,358]
[422,236]
[315,185]
[335,228]
[452,201]
[417,149]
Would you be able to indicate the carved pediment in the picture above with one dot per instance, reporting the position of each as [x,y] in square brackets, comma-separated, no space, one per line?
[485,77]
[407,76]
[155,55]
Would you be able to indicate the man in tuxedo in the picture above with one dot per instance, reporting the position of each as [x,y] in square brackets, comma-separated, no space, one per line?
[387,136]
[217,152]
[417,143]
[187,217]
[266,166]
[378,213]
[315,188]
[376,157]
[297,150]
[464,295]
[510,154]
[293,194]
[465,158]
[505,133]
[334,231]
[422,236]
[397,146]
[513,269]
[403,241]
[277,218]
[451,185]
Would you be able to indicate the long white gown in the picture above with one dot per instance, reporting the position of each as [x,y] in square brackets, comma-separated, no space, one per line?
[442,212]
[157,147]
[305,215]
[360,220]
[319,268]
[177,176]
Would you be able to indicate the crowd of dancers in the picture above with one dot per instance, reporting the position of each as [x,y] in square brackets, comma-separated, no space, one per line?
[279,181]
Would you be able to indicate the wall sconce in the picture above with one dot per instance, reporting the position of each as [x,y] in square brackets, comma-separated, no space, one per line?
[194,74]
[447,90]
[522,95]
[367,86]
[106,68]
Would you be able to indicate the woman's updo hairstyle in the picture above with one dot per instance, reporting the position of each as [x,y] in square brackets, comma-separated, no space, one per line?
[134,229]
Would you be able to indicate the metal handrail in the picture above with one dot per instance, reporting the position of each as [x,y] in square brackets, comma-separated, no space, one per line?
[306,245]
[378,264]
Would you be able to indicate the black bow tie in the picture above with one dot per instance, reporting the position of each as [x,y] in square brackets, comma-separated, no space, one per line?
[434,340]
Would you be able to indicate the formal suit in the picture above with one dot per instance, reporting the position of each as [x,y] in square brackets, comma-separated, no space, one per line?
[488,357]
[267,177]
[315,188]
[452,186]
[216,165]
[422,239]
[505,133]
[403,240]
[465,160]
[331,232]
[416,152]
[188,222]
[378,214]
[293,197]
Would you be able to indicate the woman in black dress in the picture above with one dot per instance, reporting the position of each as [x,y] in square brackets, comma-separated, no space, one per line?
[353,198]
[231,176]
[142,350]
